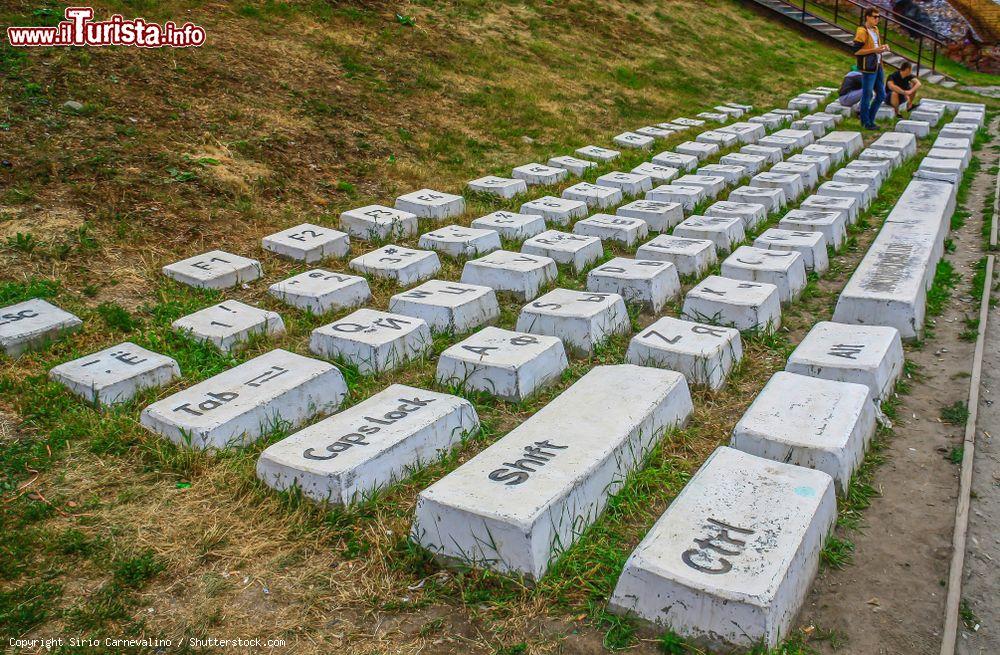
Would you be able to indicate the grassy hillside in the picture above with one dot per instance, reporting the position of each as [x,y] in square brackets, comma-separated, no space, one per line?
[295,112]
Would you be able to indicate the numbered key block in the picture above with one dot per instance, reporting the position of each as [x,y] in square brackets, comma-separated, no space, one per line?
[894,158]
[848,208]
[405,266]
[752,214]
[858,192]
[516,273]
[650,283]
[582,319]
[692,257]
[811,422]
[719,138]
[630,184]
[372,340]
[508,365]
[783,143]
[902,142]
[614,228]
[751,164]
[448,306]
[832,225]
[676,160]
[729,173]
[807,170]
[802,138]
[352,455]
[658,173]
[238,406]
[116,374]
[509,225]
[871,355]
[724,232]
[698,149]
[782,268]
[704,354]
[713,184]
[771,154]
[593,195]
[686,196]
[574,165]
[32,324]
[215,269]
[659,216]
[457,241]
[517,505]
[229,325]
[378,223]
[772,199]
[540,174]
[320,291]
[560,211]
[428,203]
[502,187]
[574,250]
[851,142]
[746,306]
[308,243]
[790,183]
[634,141]
[597,153]
[731,561]
[811,245]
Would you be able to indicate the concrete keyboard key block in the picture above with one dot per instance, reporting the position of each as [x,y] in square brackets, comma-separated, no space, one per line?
[731,560]
[320,291]
[819,424]
[871,355]
[404,265]
[378,223]
[457,241]
[772,198]
[724,231]
[953,143]
[791,184]
[746,131]
[634,141]
[593,195]
[540,174]
[804,104]
[771,153]
[33,324]
[657,173]
[851,142]
[555,210]
[704,354]
[509,225]
[522,275]
[730,173]
[958,131]
[582,319]
[949,170]
[655,132]
[848,208]
[676,160]
[870,179]
[372,340]
[837,154]
[811,245]
[715,117]
[229,325]
[517,505]
[729,109]
[770,120]
[448,306]
[574,165]
[930,117]
[697,149]
[630,184]
[215,269]
[613,228]
[713,184]
[859,192]
[784,269]
[692,257]
[509,365]
[802,138]
[882,167]
[719,138]
[686,195]
[963,156]
[238,406]
[816,128]
[751,163]
[647,282]
[809,171]
[502,187]
[116,374]
[746,306]
[919,129]
[832,225]
[308,243]
[659,216]
[428,203]
[894,157]
[598,154]
[786,145]
[752,214]
[688,122]
[574,250]
[350,456]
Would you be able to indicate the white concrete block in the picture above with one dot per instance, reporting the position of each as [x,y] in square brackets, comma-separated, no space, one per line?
[513,272]
[598,154]
[713,184]
[930,117]
[970,117]
[920,129]
[448,306]
[241,404]
[897,142]
[822,164]
[752,164]
[428,203]
[320,291]
[730,563]
[746,131]
[734,112]
[593,195]
[350,456]
[116,374]
[771,153]
[839,109]
[859,192]
[659,216]
[832,225]
[883,167]
[719,138]
[724,231]
[949,170]
[657,173]
[958,131]
[374,341]
[650,283]
[540,174]
[728,172]
[404,265]
[509,225]
[688,122]
[685,195]
[378,223]
[608,227]
[704,354]
[656,132]
[791,184]
[229,325]
[861,177]
[784,269]
[33,324]
[885,113]
[770,120]
[752,214]
[697,149]
[713,117]
[692,257]
[458,241]
[634,141]
[676,160]
[734,303]
[582,319]
[786,145]
[894,157]
[808,170]
[517,505]
[555,210]
[816,128]
[837,154]
[308,243]
[215,269]
[502,187]
[772,198]
[849,208]
[811,245]
[851,142]
[630,184]
[953,143]
[963,156]
[790,112]
[573,250]
[802,138]
[574,165]
[803,104]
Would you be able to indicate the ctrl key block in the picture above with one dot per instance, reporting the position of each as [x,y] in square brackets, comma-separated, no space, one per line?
[731,560]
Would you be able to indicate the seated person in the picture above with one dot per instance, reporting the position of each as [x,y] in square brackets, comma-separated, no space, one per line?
[850,88]
[901,89]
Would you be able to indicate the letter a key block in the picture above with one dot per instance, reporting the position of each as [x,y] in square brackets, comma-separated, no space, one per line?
[350,456]
[241,404]
[448,306]
[508,365]
[116,374]
[732,559]
[216,269]
[734,303]
[320,291]
[404,265]
[513,272]
[308,243]
[650,283]
[784,269]
[373,341]
[32,324]
[705,354]
[582,319]
[229,324]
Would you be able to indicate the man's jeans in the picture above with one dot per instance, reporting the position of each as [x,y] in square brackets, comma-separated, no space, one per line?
[849,99]
[871,84]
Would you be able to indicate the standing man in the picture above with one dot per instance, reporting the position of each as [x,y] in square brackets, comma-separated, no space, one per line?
[901,89]
[869,50]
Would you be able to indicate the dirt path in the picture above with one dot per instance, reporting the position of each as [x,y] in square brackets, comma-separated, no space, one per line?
[890,600]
